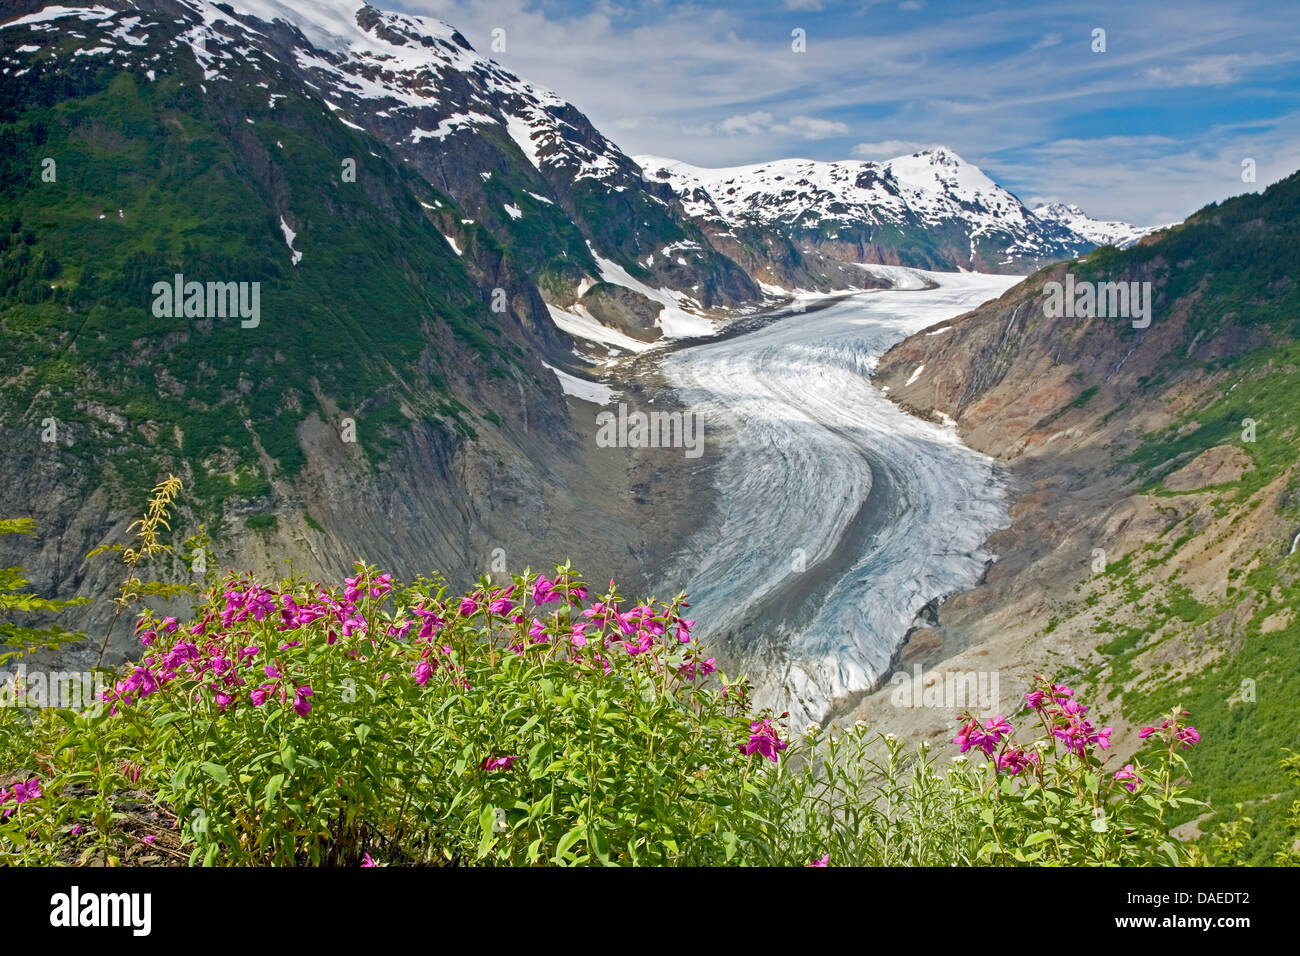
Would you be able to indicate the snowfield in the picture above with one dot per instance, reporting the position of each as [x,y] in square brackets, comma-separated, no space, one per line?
[839,515]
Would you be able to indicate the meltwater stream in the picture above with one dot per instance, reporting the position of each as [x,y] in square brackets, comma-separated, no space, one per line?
[838,515]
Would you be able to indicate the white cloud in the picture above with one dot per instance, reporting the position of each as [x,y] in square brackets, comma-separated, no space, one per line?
[749,123]
[689,70]
[887,148]
[1152,180]
[763,122]
[1212,70]
[1051,39]
[810,127]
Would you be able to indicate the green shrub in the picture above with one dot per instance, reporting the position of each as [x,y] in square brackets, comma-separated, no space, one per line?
[526,723]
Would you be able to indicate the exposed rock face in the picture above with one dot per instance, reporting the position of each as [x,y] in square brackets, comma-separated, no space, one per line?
[404,205]
[1222,464]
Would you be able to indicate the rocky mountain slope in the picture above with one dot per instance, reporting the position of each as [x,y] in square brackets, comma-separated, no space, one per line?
[383,392]
[931,210]
[1152,551]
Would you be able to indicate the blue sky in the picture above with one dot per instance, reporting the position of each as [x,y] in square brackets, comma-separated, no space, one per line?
[1149,130]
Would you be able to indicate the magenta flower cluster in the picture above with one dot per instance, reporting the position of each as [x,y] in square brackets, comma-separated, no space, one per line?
[1065,720]
[237,653]
[19,794]
[763,740]
[1175,731]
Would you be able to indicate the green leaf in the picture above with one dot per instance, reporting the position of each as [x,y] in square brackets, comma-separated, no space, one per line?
[568,840]
[272,788]
[217,772]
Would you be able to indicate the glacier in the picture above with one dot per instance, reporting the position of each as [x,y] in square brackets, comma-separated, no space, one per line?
[838,515]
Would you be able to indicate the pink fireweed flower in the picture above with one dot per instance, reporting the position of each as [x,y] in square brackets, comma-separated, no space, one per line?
[499,763]
[368,860]
[468,606]
[399,628]
[690,668]
[150,838]
[1128,776]
[644,641]
[984,738]
[301,705]
[1073,708]
[423,671]
[544,591]
[1188,736]
[962,740]
[1016,761]
[21,793]
[260,694]
[763,740]
[1146,732]
[169,624]
[431,622]
[148,637]
[501,603]
[352,591]
[821,861]
[1079,735]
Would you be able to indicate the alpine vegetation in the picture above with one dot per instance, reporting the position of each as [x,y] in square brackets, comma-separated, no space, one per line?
[533,720]
[1084,300]
[211,300]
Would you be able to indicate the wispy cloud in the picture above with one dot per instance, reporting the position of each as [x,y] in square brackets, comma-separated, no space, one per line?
[886,149]
[714,84]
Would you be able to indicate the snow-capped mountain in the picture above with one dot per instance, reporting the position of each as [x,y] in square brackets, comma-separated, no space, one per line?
[931,208]
[529,174]
[1100,231]
[578,233]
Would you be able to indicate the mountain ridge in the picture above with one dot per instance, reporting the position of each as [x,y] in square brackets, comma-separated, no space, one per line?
[882,211]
